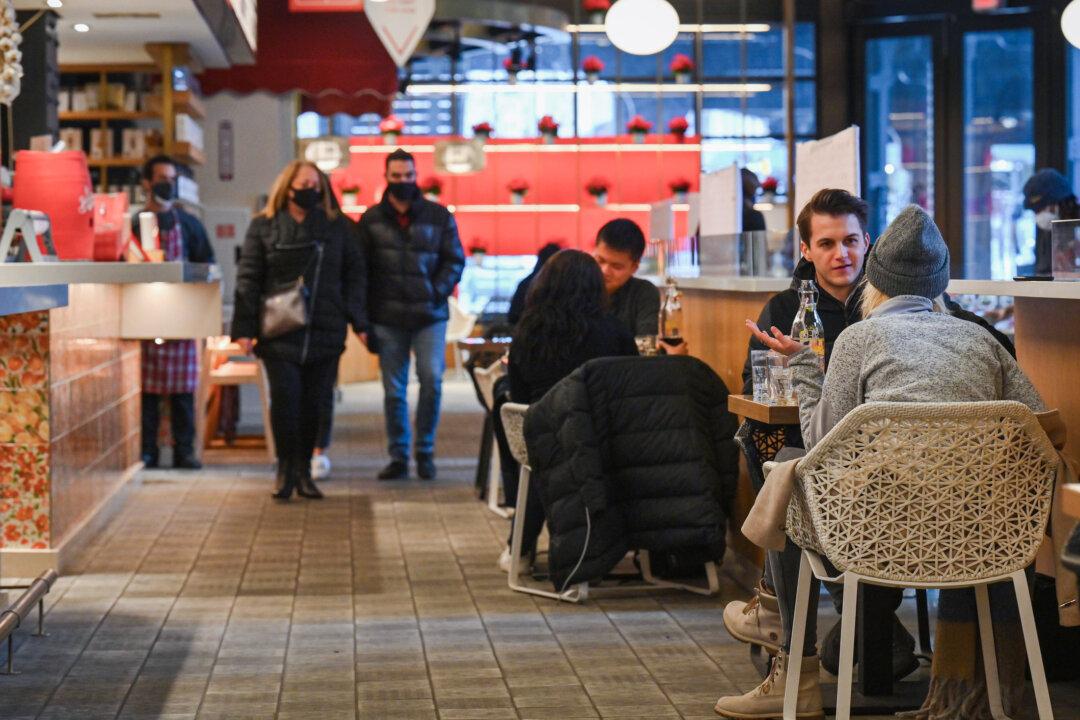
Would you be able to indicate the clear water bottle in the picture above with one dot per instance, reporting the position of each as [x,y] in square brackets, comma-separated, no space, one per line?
[807,328]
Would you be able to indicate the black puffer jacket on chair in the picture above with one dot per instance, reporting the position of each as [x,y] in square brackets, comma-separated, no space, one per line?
[646,446]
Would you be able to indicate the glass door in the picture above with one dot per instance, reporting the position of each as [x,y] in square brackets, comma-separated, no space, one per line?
[898,126]
[999,153]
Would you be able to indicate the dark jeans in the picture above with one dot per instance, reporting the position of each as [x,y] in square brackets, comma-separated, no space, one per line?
[297,398]
[395,346]
[326,420]
[182,414]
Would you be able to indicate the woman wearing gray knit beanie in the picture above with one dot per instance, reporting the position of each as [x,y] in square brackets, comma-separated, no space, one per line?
[906,349]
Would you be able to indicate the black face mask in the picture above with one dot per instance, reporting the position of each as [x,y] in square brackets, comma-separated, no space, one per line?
[164,190]
[307,198]
[404,191]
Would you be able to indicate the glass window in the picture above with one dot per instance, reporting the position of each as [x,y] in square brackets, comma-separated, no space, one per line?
[1074,117]
[514,112]
[431,68]
[553,59]
[756,114]
[899,127]
[646,105]
[683,45]
[677,106]
[598,45]
[638,67]
[761,52]
[767,157]
[999,153]
[482,66]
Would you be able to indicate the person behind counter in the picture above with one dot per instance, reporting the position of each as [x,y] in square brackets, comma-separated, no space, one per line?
[884,358]
[170,368]
[752,218]
[299,234]
[414,259]
[1047,193]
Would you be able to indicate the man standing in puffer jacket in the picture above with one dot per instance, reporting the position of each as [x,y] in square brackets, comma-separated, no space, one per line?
[414,260]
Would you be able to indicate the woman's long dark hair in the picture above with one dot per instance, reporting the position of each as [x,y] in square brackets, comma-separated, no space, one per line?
[563,299]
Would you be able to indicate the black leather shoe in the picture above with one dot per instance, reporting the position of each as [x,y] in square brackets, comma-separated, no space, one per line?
[396,470]
[283,482]
[149,461]
[305,486]
[186,462]
[425,467]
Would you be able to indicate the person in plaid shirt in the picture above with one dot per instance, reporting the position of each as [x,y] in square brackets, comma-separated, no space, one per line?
[170,368]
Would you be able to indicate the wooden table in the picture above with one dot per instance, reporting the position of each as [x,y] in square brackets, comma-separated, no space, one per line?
[745,406]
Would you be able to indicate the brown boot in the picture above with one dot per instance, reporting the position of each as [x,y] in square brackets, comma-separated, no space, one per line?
[757,621]
[767,699]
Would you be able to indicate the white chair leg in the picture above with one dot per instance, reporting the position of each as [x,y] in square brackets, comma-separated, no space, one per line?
[847,646]
[494,485]
[989,652]
[1031,642]
[264,399]
[798,640]
[577,593]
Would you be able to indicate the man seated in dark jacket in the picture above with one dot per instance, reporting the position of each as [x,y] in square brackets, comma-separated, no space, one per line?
[414,260]
[634,301]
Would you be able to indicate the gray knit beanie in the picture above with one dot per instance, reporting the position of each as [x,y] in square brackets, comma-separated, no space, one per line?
[910,257]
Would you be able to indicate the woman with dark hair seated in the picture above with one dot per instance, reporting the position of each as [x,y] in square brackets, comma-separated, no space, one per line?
[565,324]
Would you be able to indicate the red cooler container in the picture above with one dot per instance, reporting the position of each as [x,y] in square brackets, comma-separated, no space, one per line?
[58,184]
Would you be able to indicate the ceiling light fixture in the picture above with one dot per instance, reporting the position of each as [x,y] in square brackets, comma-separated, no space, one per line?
[55,4]
[1070,23]
[642,27]
[81,27]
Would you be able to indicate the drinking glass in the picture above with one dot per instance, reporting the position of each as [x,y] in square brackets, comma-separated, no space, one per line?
[780,389]
[759,371]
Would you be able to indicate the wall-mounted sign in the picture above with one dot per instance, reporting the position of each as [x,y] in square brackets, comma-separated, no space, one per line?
[456,157]
[326,5]
[400,24]
[226,160]
[328,153]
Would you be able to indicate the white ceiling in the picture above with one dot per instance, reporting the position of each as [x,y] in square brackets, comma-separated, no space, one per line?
[121,39]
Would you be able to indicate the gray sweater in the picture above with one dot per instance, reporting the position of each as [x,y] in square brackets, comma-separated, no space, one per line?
[905,352]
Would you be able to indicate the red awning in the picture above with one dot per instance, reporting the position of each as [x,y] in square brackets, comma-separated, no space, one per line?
[334,59]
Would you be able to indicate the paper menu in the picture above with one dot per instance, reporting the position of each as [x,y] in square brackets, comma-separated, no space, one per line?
[831,162]
[720,210]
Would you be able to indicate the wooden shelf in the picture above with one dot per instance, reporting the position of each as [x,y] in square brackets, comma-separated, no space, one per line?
[106,115]
[108,69]
[115,162]
[189,103]
[188,154]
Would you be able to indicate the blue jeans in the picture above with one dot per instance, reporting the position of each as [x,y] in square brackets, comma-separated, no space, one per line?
[429,346]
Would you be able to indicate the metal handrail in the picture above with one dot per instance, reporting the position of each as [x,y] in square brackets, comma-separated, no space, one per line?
[12,618]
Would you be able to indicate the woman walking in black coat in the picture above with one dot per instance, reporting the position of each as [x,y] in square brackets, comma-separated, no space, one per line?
[299,234]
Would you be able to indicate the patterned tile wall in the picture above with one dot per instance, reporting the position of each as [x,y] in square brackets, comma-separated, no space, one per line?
[69,415]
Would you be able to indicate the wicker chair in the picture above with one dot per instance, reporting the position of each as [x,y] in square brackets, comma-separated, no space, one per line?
[513,418]
[926,495]
[485,383]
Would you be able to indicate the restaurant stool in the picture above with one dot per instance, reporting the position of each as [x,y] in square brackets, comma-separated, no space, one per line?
[221,371]
[485,383]
[926,495]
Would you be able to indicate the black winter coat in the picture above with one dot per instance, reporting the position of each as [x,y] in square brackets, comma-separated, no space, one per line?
[276,252]
[645,447]
[413,270]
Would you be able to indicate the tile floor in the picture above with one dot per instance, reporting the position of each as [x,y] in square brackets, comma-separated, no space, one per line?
[204,599]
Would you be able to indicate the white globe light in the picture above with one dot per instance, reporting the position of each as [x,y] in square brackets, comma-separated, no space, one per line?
[643,27]
[1070,23]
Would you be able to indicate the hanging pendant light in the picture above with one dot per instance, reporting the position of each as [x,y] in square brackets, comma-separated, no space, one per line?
[644,27]
[1070,23]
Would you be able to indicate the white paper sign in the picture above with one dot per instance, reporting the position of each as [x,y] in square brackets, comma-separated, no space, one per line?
[721,202]
[831,162]
[400,24]
[662,221]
